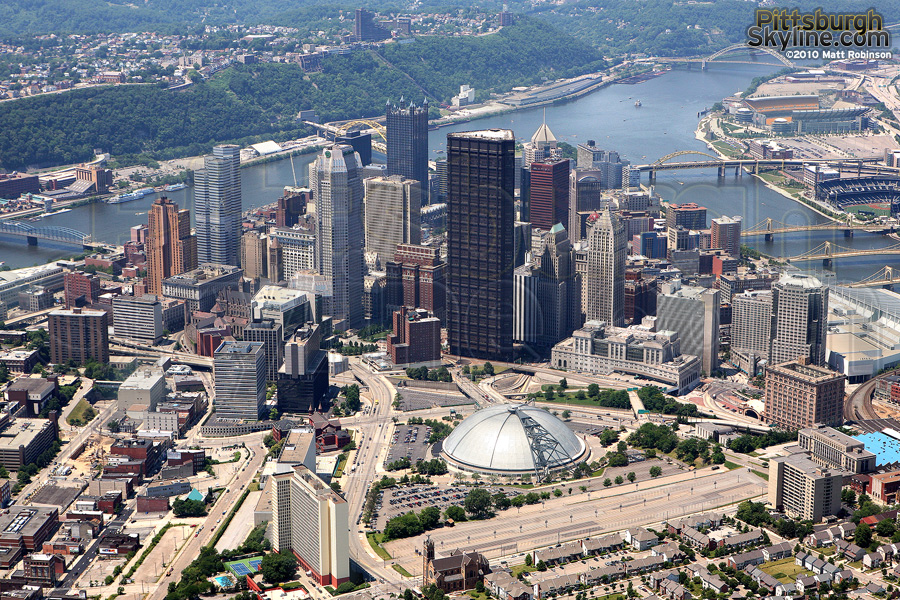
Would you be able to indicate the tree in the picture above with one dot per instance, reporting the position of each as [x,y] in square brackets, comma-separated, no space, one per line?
[4,474]
[631,476]
[336,486]
[862,537]
[593,390]
[607,482]
[501,501]
[563,384]
[848,496]
[655,471]
[278,567]
[189,508]
[488,369]
[718,458]
[456,513]
[619,480]
[528,560]
[566,414]
[113,426]
[430,517]
[621,447]
[885,528]
[541,566]
[273,414]
[478,503]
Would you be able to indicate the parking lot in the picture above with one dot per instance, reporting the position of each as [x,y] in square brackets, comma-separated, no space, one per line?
[397,501]
[410,441]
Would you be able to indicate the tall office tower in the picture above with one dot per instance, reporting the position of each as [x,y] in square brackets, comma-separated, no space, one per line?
[338,191]
[81,288]
[480,246]
[217,202]
[800,395]
[312,521]
[548,293]
[171,248]
[692,312]
[361,142]
[542,147]
[366,29]
[407,142]
[392,214]
[80,335]
[291,205]
[585,198]
[640,299]
[254,250]
[800,317]
[440,171]
[298,245]
[688,216]
[239,375]
[268,333]
[415,278]
[303,378]
[751,322]
[275,260]
[726,235]
[549,193]
[605,280]
[289,308]
[607,163]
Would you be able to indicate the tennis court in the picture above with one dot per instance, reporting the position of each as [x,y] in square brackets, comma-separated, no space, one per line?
[244,566]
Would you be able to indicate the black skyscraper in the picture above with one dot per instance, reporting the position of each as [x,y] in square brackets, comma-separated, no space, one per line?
[480,244]
[407,142]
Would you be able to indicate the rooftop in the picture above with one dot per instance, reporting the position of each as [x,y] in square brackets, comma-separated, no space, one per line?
[21,432]
[487,134]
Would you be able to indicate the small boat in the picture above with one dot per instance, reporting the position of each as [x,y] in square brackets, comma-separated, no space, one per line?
[637,103]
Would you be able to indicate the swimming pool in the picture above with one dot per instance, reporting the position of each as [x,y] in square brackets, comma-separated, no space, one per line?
[223,581]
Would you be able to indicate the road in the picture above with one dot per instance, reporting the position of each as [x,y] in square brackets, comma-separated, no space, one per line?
[858,406]
[81,563]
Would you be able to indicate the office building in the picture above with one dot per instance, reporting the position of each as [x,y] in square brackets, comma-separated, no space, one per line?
[297,246]
[239,373]
[268,333]
[730,285]
[292,205]
[688,216]
[598,348]
[81,289]
[803,489]
[751,322]
[416,338]
[585,198]
[725,234]
[254,254]
[392,215]
[27,527]
[640,299]
[542,147]
[649,244]
[361,142]
[275,260]
[416,278]
[338,191]
[549,193]
[547,293]
[303,377]
[373,298]
[604,284]
[802,395]
[199,287]
[440,172]
[407,142]
[608,164]
[289,308]
[145,388]
[312,521]
[138,319]
[694,313]
[831,448]
[31,393]
[480,247]
[171,248]
[217,202]
[23,440]
[79,335]
[365,29]
[800,318]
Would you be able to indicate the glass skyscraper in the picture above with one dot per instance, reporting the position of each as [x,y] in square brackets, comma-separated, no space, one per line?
[217,202]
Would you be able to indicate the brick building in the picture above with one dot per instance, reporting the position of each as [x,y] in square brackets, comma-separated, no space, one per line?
[416,278]
[81,288]
[416,338]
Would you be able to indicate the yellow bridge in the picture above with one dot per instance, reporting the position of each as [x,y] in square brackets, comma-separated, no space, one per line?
[827,252]
[770,227]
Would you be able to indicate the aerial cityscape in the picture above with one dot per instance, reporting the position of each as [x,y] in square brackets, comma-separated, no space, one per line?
[527,301]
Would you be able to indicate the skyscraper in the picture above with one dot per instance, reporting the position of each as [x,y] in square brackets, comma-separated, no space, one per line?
[726,235]
[549,193]
[392,211]
[800,395]
[542,147]
[480,246]
[548,293]
[751,322]
[171,248]
[687,216]
[407,142]
[692,312]
[585,197]
[239,374]
[606,162]
[254,248]
[800,317]
[366,29]
[79,334]
[217,202]
[605,280]
[338,191]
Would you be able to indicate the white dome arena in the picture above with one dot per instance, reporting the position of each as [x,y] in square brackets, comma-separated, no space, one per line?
[512,439]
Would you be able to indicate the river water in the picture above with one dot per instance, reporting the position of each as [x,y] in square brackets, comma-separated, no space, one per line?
[664,124]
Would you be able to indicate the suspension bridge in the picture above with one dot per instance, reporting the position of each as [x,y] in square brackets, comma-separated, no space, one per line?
[51,233]
[770,227]
[886,277]
[828,252]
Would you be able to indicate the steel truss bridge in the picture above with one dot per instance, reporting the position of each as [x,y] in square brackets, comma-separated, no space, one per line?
[827,252]
[770,227]
[886,277]
[667,163]
[52,233]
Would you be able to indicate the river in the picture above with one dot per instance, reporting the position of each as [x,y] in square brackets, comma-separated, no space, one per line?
[664,124]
